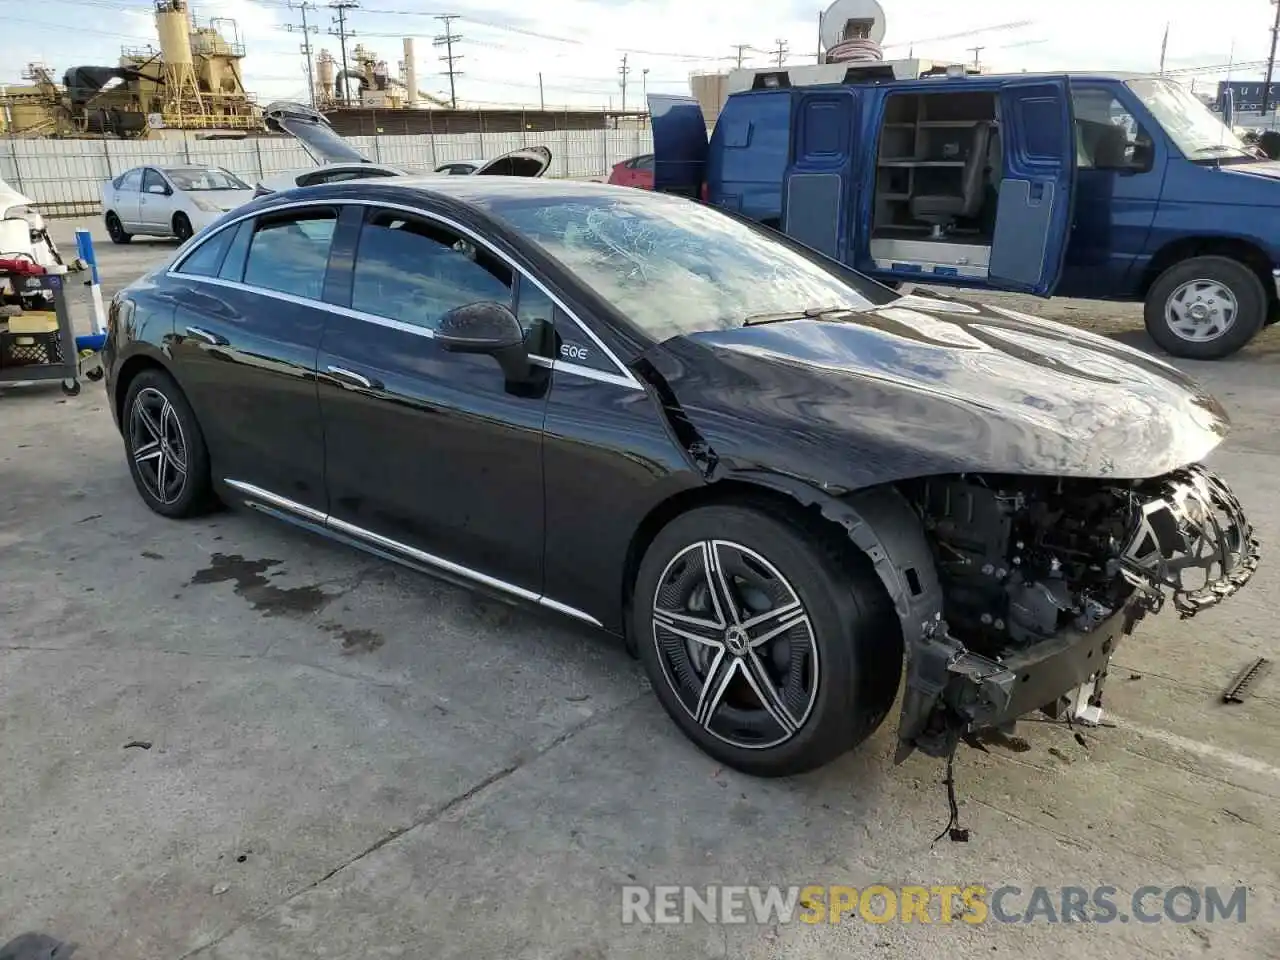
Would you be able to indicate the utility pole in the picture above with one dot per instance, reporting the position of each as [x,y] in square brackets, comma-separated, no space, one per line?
[1164,48]
[1271,61]
[819,36]
[622,81]
[306,31]
[781,52]
[644,86]
[447,40]
[977,57]
[342,6]
[542,101]
[741,49]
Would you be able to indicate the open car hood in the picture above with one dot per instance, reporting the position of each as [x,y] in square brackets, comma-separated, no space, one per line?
[312,131]
[9,197]
[524,162]
[924,386]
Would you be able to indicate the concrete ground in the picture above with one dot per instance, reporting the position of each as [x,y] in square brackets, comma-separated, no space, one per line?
[347,759]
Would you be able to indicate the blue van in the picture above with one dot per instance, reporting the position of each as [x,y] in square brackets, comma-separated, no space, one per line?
[1107,186]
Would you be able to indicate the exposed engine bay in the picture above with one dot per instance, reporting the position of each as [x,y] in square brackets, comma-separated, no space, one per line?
[1041,577]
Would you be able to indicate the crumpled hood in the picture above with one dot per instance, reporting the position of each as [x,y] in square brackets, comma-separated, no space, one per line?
[930,386]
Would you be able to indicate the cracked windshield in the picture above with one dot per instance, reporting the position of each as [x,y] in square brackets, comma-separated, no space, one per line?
[674,267]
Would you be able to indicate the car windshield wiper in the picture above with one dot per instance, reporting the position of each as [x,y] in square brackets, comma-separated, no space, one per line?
[1218,148]
[812,313]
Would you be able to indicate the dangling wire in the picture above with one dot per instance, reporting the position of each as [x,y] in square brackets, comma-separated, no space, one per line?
[957,833]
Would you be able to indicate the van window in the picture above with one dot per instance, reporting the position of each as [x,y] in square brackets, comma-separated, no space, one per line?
[1108,136]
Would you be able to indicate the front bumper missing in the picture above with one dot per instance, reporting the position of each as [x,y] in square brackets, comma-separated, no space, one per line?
[1189,541]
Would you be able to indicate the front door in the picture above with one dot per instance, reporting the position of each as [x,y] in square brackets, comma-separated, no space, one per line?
[156,202]
[1033,217]
[247,328]
[426,449]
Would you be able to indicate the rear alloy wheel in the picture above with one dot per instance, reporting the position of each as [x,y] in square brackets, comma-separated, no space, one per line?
[182,227]
[1206,308]
[753,633]
[167,455]
[115,230]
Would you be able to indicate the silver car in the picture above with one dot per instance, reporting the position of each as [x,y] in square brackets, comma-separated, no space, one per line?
[173,201]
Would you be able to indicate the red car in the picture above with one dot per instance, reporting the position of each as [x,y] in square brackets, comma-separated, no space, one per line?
[636,172]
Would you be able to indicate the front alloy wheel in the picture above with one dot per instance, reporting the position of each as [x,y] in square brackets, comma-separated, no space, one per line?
[766,636]
[735,644]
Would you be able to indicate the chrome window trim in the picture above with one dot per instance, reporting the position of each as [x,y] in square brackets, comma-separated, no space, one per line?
[623,378]
[406,551]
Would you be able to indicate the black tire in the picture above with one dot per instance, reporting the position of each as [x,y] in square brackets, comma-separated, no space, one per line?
[850,640]
[1207,276]
[71,387]
[115,230]
[150,444]
[182,227]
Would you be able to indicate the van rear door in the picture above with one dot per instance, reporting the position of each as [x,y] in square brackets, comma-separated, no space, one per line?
[1033,218]
[679,145]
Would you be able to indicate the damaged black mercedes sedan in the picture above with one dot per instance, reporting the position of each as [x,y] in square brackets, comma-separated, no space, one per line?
[783,484]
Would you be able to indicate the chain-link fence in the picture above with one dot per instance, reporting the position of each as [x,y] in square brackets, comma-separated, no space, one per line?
[65,177]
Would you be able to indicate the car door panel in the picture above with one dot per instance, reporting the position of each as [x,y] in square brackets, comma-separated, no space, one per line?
[155,209]
[428,449]
[128,199]
[246,358]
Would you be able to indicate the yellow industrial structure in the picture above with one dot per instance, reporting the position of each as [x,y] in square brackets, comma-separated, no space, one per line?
[375,87]
[192,82]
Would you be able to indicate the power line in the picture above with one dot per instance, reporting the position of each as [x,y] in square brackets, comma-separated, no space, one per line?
[307,30]
[741,48]
[446,40]
[342,6]
[781,52]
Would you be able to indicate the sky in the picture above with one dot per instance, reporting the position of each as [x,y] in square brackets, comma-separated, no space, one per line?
[578,45]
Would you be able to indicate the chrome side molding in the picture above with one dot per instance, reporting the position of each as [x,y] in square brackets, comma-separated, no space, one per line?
[408,553]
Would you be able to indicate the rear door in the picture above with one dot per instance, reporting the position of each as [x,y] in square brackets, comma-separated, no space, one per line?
[679,144]
[819,193]
[127,197]
[248,324]
[1033,218]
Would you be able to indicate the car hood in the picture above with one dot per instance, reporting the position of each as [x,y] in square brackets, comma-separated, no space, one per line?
[9,197]
[926,386]
[521,162]
[312,131]
[1268,169]
[225,199]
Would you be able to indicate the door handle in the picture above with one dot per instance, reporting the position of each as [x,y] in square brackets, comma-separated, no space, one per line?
[349,378]
[210,338]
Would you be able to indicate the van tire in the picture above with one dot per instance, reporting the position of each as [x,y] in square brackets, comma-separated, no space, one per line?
[1224,280]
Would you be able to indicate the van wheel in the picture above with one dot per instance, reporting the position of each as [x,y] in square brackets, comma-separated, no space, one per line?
[1205,308]
[115,230]
[767,644]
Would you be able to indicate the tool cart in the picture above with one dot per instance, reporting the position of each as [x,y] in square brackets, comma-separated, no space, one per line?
[37,340]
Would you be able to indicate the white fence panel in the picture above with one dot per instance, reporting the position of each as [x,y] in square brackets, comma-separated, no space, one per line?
[65,177]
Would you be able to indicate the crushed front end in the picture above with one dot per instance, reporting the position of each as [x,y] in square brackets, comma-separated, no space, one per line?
[1042,577]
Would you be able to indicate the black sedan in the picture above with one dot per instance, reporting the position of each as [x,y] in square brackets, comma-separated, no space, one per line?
[781,483]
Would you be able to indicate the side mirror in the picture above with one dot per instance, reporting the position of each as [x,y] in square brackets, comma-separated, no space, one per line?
[486,327]
[158,188]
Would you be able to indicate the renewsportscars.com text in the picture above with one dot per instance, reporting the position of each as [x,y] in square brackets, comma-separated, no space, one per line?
[934,904]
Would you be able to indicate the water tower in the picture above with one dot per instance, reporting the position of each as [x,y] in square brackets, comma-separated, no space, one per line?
[852,30]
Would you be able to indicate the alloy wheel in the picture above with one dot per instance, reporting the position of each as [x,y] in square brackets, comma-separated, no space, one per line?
[158,445]
[736,644]
[1201,310]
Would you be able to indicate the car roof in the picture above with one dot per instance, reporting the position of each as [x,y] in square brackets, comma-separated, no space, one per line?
[471,191]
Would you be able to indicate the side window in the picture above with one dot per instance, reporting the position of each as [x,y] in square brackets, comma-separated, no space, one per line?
[206,259]
[131,180]
[645,162]
[151,178]
[1108,136]
[415,271]
[233,264]
[290,252]
[537,315]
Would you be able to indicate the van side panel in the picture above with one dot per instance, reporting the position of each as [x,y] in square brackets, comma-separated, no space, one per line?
[750,150]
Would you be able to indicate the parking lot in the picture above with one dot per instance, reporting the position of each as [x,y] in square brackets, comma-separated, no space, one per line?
[339,757]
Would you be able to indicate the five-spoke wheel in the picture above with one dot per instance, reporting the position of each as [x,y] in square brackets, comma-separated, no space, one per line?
[767,641]
[167,456]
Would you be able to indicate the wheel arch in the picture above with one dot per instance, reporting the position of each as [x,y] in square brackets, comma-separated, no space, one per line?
[130,367]
[879,523]
[1235,248]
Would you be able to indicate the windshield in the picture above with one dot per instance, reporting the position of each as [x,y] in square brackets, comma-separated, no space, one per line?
[1194,128]
[214,178]
[674,267]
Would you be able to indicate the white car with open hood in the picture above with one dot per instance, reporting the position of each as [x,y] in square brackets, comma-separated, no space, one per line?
[23,234]
[337,160]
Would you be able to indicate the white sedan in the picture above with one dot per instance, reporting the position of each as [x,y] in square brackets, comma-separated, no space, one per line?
[169,201]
